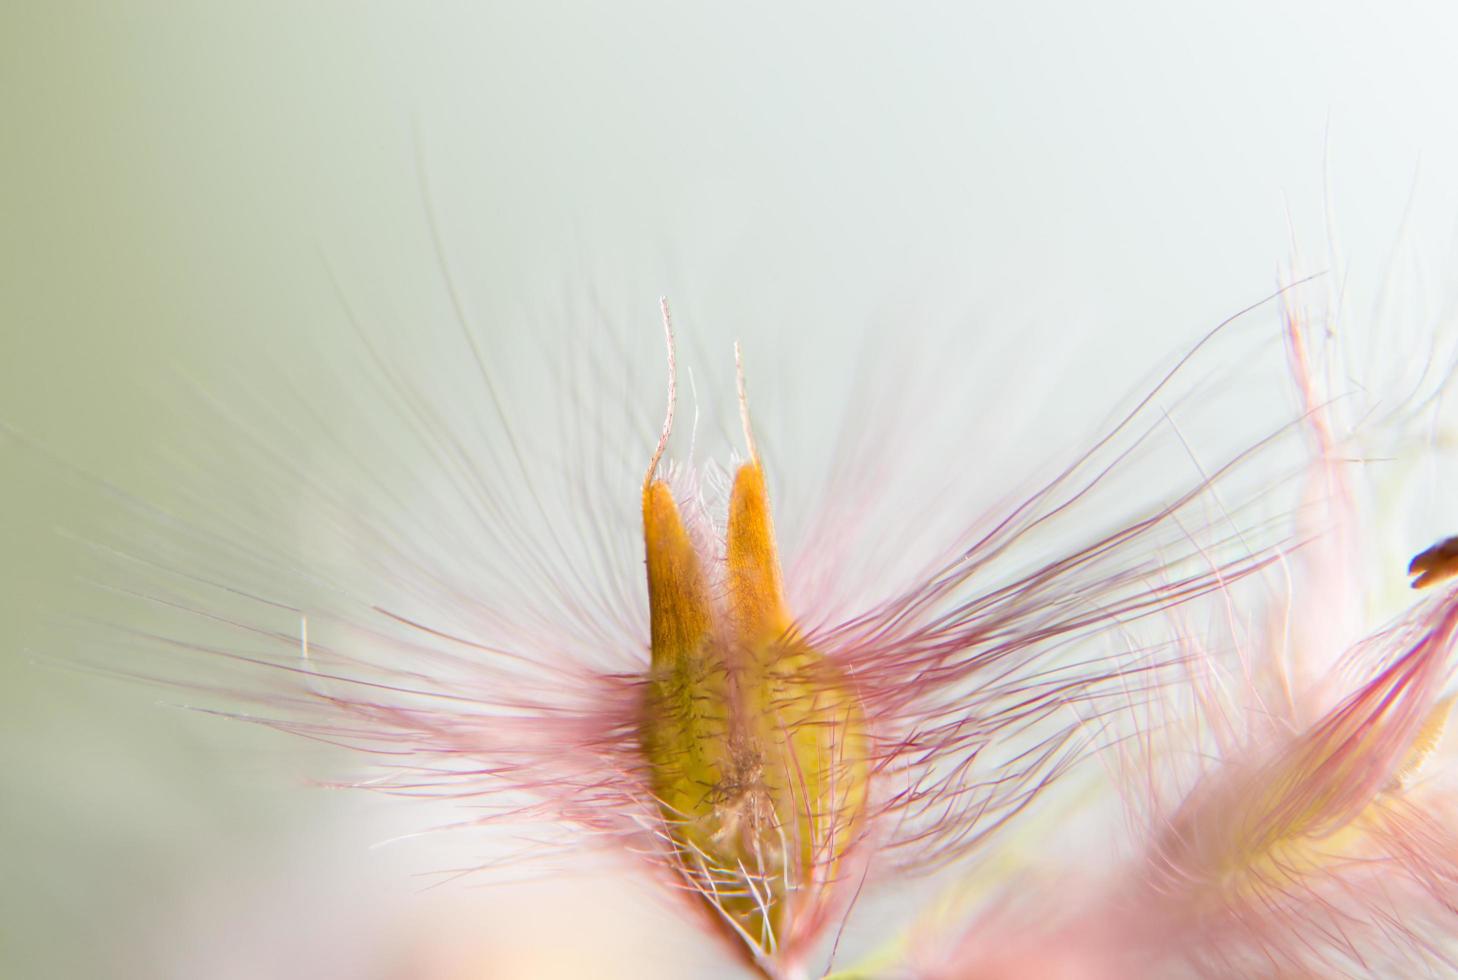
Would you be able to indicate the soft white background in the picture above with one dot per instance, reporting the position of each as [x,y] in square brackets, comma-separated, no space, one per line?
[1076,189]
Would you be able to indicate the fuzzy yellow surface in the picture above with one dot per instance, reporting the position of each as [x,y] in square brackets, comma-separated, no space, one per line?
[755,741]
[1284,822]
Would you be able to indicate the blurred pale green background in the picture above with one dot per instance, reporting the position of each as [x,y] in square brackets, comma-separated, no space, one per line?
[173,177]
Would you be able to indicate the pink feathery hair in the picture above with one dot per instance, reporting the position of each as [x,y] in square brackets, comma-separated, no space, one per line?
[1282,825]
[496,650]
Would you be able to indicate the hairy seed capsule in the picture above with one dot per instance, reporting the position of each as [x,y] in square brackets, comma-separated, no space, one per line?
[754,740]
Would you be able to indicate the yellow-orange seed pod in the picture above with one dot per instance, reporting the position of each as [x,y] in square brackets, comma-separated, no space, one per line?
[754,740]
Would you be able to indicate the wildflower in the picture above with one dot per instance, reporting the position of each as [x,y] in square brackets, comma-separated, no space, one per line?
[764,761]
[1313,847]
[1286,826]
